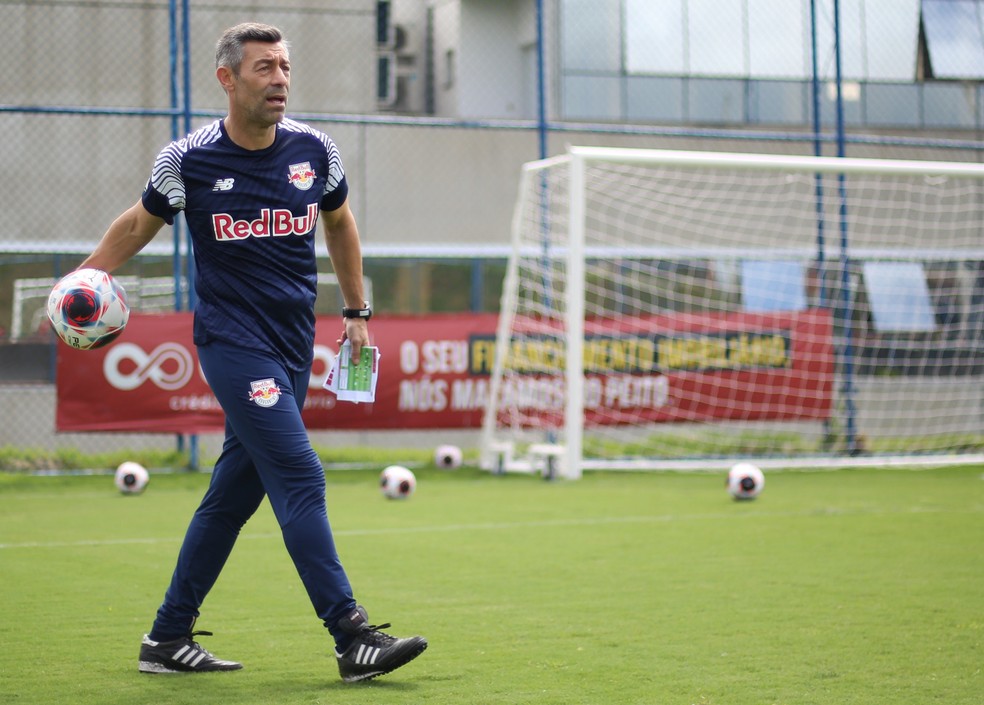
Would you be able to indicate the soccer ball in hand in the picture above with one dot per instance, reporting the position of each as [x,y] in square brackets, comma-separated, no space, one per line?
[87,309]
[447,457]
[745,481]
[397,482]
[131,477]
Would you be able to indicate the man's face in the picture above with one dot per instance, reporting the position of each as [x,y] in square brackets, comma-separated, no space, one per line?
[259,92]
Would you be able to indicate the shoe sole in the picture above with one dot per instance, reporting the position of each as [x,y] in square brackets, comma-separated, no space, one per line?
[152,667]
[408,657]
[155,667]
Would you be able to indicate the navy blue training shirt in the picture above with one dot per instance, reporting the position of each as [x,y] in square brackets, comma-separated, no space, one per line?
[253,219]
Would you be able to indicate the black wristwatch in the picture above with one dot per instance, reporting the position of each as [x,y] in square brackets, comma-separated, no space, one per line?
[365,313]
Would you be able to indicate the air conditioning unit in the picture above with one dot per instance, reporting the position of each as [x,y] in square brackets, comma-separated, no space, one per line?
[401,37]
[397,71]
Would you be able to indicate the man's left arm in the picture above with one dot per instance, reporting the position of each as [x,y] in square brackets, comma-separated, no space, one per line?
[345,251]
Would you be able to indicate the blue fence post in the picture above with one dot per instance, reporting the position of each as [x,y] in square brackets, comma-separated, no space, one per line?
[541,79]
[193,450]
[173,54]
[818,151]
[818,181]
[847,370]
[180,62]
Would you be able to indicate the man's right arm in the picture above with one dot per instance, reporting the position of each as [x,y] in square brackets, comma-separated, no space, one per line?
[128,234]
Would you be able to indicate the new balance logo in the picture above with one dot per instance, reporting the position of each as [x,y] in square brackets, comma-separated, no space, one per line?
[223,185]
[367,655]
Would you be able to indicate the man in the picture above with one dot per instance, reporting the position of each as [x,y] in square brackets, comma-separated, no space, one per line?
[252,186]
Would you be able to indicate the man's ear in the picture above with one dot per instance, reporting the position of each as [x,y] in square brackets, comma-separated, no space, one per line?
[224,74]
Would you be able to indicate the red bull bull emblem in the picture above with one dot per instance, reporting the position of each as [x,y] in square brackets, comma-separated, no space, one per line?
[301,175]
[264,392]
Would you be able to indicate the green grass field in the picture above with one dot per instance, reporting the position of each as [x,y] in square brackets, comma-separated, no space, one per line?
[855,586]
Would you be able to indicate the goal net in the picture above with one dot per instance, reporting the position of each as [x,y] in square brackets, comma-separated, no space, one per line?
[682,309]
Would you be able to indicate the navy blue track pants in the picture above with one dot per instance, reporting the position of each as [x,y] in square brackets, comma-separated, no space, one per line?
[266,452]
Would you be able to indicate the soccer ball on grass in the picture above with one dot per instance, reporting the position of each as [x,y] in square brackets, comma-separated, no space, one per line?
[88,309]
[745,481]
[447,457]
[131,477]
[397,482]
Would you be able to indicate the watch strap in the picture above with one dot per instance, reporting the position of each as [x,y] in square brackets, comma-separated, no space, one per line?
[364,313]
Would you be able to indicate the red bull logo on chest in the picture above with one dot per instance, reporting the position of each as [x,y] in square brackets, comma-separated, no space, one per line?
[301,175]
[278,222]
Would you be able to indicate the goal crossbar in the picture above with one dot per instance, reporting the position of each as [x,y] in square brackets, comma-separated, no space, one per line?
[764,162]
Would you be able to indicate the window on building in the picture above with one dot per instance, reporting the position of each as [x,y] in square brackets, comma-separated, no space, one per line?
[954,31]
[448,69]
[654,38]
[773,286]
[685,60]
[891,39]
[778,40]
[591,33]
[716,38]
[386,78]
[383,37]
[899,297]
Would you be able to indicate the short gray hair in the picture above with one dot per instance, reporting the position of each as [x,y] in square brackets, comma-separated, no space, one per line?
[229,48]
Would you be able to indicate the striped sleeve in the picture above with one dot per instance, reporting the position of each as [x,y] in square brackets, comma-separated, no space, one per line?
[164,194]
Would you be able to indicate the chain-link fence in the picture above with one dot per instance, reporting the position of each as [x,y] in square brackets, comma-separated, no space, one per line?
[434,105]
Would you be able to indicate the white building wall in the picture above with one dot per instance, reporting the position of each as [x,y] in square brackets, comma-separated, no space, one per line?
[445,24]
[491,66]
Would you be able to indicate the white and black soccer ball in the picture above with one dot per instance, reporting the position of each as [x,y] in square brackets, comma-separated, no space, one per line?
[88,309]
[397,482]
[745,481]
[447,457]
[131,477]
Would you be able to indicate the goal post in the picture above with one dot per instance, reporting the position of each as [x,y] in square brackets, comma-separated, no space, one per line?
[669,309]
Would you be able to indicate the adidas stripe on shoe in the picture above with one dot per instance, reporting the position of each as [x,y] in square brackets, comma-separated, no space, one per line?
[182,655]
[373,653]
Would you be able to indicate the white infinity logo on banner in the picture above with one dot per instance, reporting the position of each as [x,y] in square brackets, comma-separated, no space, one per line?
[149,366]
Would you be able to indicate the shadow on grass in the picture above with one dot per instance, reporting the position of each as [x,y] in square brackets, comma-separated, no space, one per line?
[257,687]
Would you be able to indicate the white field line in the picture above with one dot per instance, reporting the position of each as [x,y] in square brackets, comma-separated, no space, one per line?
[509,526]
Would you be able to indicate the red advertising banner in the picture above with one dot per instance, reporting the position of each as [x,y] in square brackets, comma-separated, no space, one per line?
[435,370]
[675,368]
